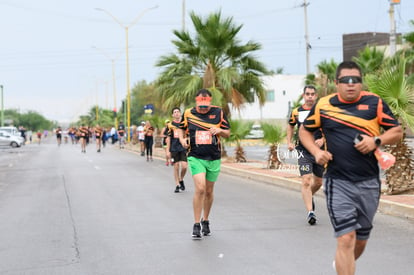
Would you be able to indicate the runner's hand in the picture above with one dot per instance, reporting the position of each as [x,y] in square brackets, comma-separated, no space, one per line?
[323,157]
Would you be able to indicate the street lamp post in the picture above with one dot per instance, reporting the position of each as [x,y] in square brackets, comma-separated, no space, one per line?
[127,27]
[113,79]
[2,106]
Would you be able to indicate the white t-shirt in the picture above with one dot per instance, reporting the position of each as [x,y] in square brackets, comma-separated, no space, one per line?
[113,131]
[140,131]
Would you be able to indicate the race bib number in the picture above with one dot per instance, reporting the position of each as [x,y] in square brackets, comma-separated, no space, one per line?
[302,116]
[175,134]
[203,137]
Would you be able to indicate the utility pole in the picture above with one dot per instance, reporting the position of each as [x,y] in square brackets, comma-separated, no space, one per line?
[113,80]
[96,106]
[393,34]
[183,16]
[308,46]
[126,28]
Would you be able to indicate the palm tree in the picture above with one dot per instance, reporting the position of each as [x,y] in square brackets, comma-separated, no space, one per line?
[326,78]
[239,130]
[310,79]
[214,59]
[369,59]
[409,37]
[391,84]
[273,135]
[409,54]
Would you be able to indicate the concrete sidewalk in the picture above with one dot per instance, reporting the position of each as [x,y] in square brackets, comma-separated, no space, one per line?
[288,177]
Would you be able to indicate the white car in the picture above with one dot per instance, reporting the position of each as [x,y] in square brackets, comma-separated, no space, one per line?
[8,139]
[11,130]
[256,132]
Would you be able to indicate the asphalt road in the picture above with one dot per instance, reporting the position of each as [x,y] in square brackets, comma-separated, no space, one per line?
[64,212]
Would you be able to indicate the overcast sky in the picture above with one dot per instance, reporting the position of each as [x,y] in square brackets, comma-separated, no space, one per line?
[55,55]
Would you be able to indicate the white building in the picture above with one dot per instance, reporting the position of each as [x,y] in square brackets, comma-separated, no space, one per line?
[281,91]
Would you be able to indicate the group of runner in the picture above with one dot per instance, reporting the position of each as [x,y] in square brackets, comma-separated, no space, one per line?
[337,136]
[82,135]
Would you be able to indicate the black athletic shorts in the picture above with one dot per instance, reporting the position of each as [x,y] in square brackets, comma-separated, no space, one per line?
[179,156]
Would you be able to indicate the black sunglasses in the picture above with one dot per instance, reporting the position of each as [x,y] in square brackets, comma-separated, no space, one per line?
[350,80]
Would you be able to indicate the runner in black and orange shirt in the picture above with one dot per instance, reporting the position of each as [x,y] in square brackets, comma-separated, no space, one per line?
[121,134]
[176,152]
[350,121]
[98,137]
[59,135]
[309,170]
[149,139]
[205,125]
[83,137]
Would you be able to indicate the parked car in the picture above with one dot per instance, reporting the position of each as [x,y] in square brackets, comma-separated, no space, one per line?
[7,139]
[256,132]
[11,130]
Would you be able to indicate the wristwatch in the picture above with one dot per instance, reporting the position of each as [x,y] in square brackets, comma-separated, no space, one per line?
[377,141]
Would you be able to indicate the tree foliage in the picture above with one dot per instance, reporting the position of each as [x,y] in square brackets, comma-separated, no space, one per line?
[390,82]
[212,58]
[239,130]
[369,59]
[31,120]
[273,135]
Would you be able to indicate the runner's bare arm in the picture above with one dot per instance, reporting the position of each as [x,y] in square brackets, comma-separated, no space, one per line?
[307,139]
[182,139]
[289,135]
[218,131]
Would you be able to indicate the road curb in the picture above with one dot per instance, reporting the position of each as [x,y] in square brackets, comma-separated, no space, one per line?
[396,209]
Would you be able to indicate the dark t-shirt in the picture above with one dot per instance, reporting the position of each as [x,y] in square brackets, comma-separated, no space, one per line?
[172,132]
[121,130]
[341,122]
[297,117]
[202,144]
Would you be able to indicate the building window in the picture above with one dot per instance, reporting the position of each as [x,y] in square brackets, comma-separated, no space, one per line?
[270,96]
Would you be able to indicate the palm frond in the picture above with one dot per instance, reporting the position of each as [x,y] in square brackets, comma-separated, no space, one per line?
[272,133]
[391,85]
[214,55]
[239,130]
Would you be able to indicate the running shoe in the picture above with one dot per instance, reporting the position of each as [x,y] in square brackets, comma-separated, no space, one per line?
[205,228]
[197,232]
[182,186]
[311,218]
[177,189]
